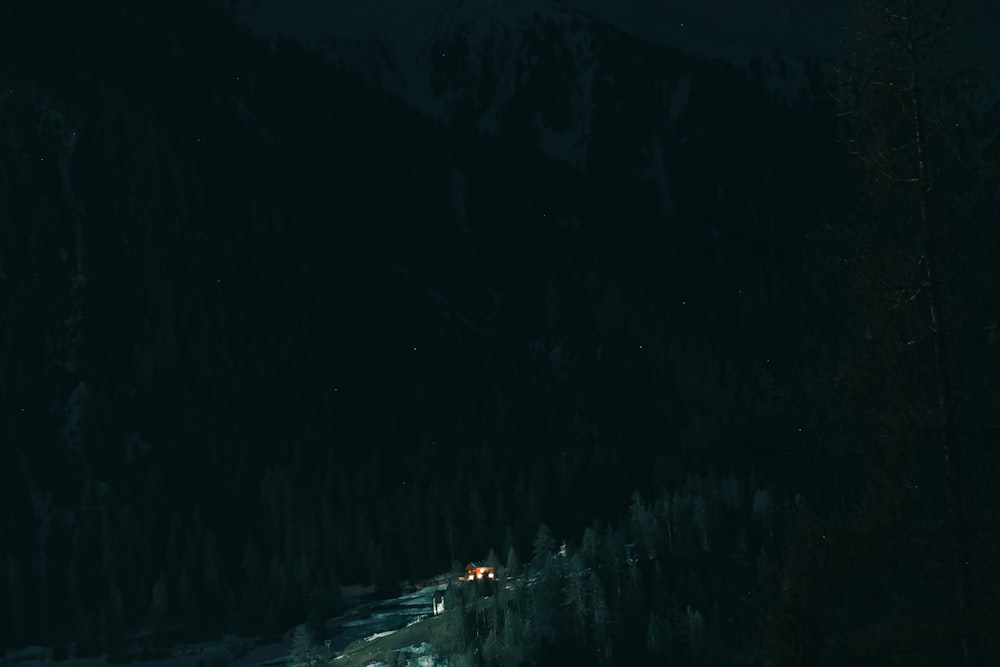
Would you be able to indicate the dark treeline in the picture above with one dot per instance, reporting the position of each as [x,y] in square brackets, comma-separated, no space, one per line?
[687,577]
[267,331]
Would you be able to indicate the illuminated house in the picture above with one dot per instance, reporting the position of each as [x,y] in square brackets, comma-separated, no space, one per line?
[474,571]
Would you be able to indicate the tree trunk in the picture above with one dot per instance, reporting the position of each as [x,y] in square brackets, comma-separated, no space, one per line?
[936,314]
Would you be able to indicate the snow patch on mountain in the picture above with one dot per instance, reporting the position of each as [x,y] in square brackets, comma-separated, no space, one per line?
[465,61]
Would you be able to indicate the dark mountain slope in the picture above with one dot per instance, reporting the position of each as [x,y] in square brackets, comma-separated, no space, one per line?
[266,329]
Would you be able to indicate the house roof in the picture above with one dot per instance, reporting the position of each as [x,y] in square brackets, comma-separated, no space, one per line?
[474,565]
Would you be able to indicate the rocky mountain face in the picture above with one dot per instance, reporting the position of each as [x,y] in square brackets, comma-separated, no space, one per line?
[267,327]
[518,68]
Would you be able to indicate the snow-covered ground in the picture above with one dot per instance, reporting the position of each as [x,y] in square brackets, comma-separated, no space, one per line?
[367,620]
[377,619]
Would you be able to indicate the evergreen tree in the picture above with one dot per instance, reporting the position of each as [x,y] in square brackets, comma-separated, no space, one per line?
[543,548]
[513,563]
[306,651]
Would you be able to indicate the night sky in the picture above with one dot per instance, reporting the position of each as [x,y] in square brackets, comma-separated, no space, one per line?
[682,316]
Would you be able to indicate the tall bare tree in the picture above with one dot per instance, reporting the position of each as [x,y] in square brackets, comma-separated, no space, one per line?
[915,378]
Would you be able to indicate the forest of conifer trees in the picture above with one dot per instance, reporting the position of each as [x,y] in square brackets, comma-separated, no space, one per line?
[247,359]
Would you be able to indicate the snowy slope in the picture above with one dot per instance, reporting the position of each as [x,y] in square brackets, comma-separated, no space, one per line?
[367,620]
